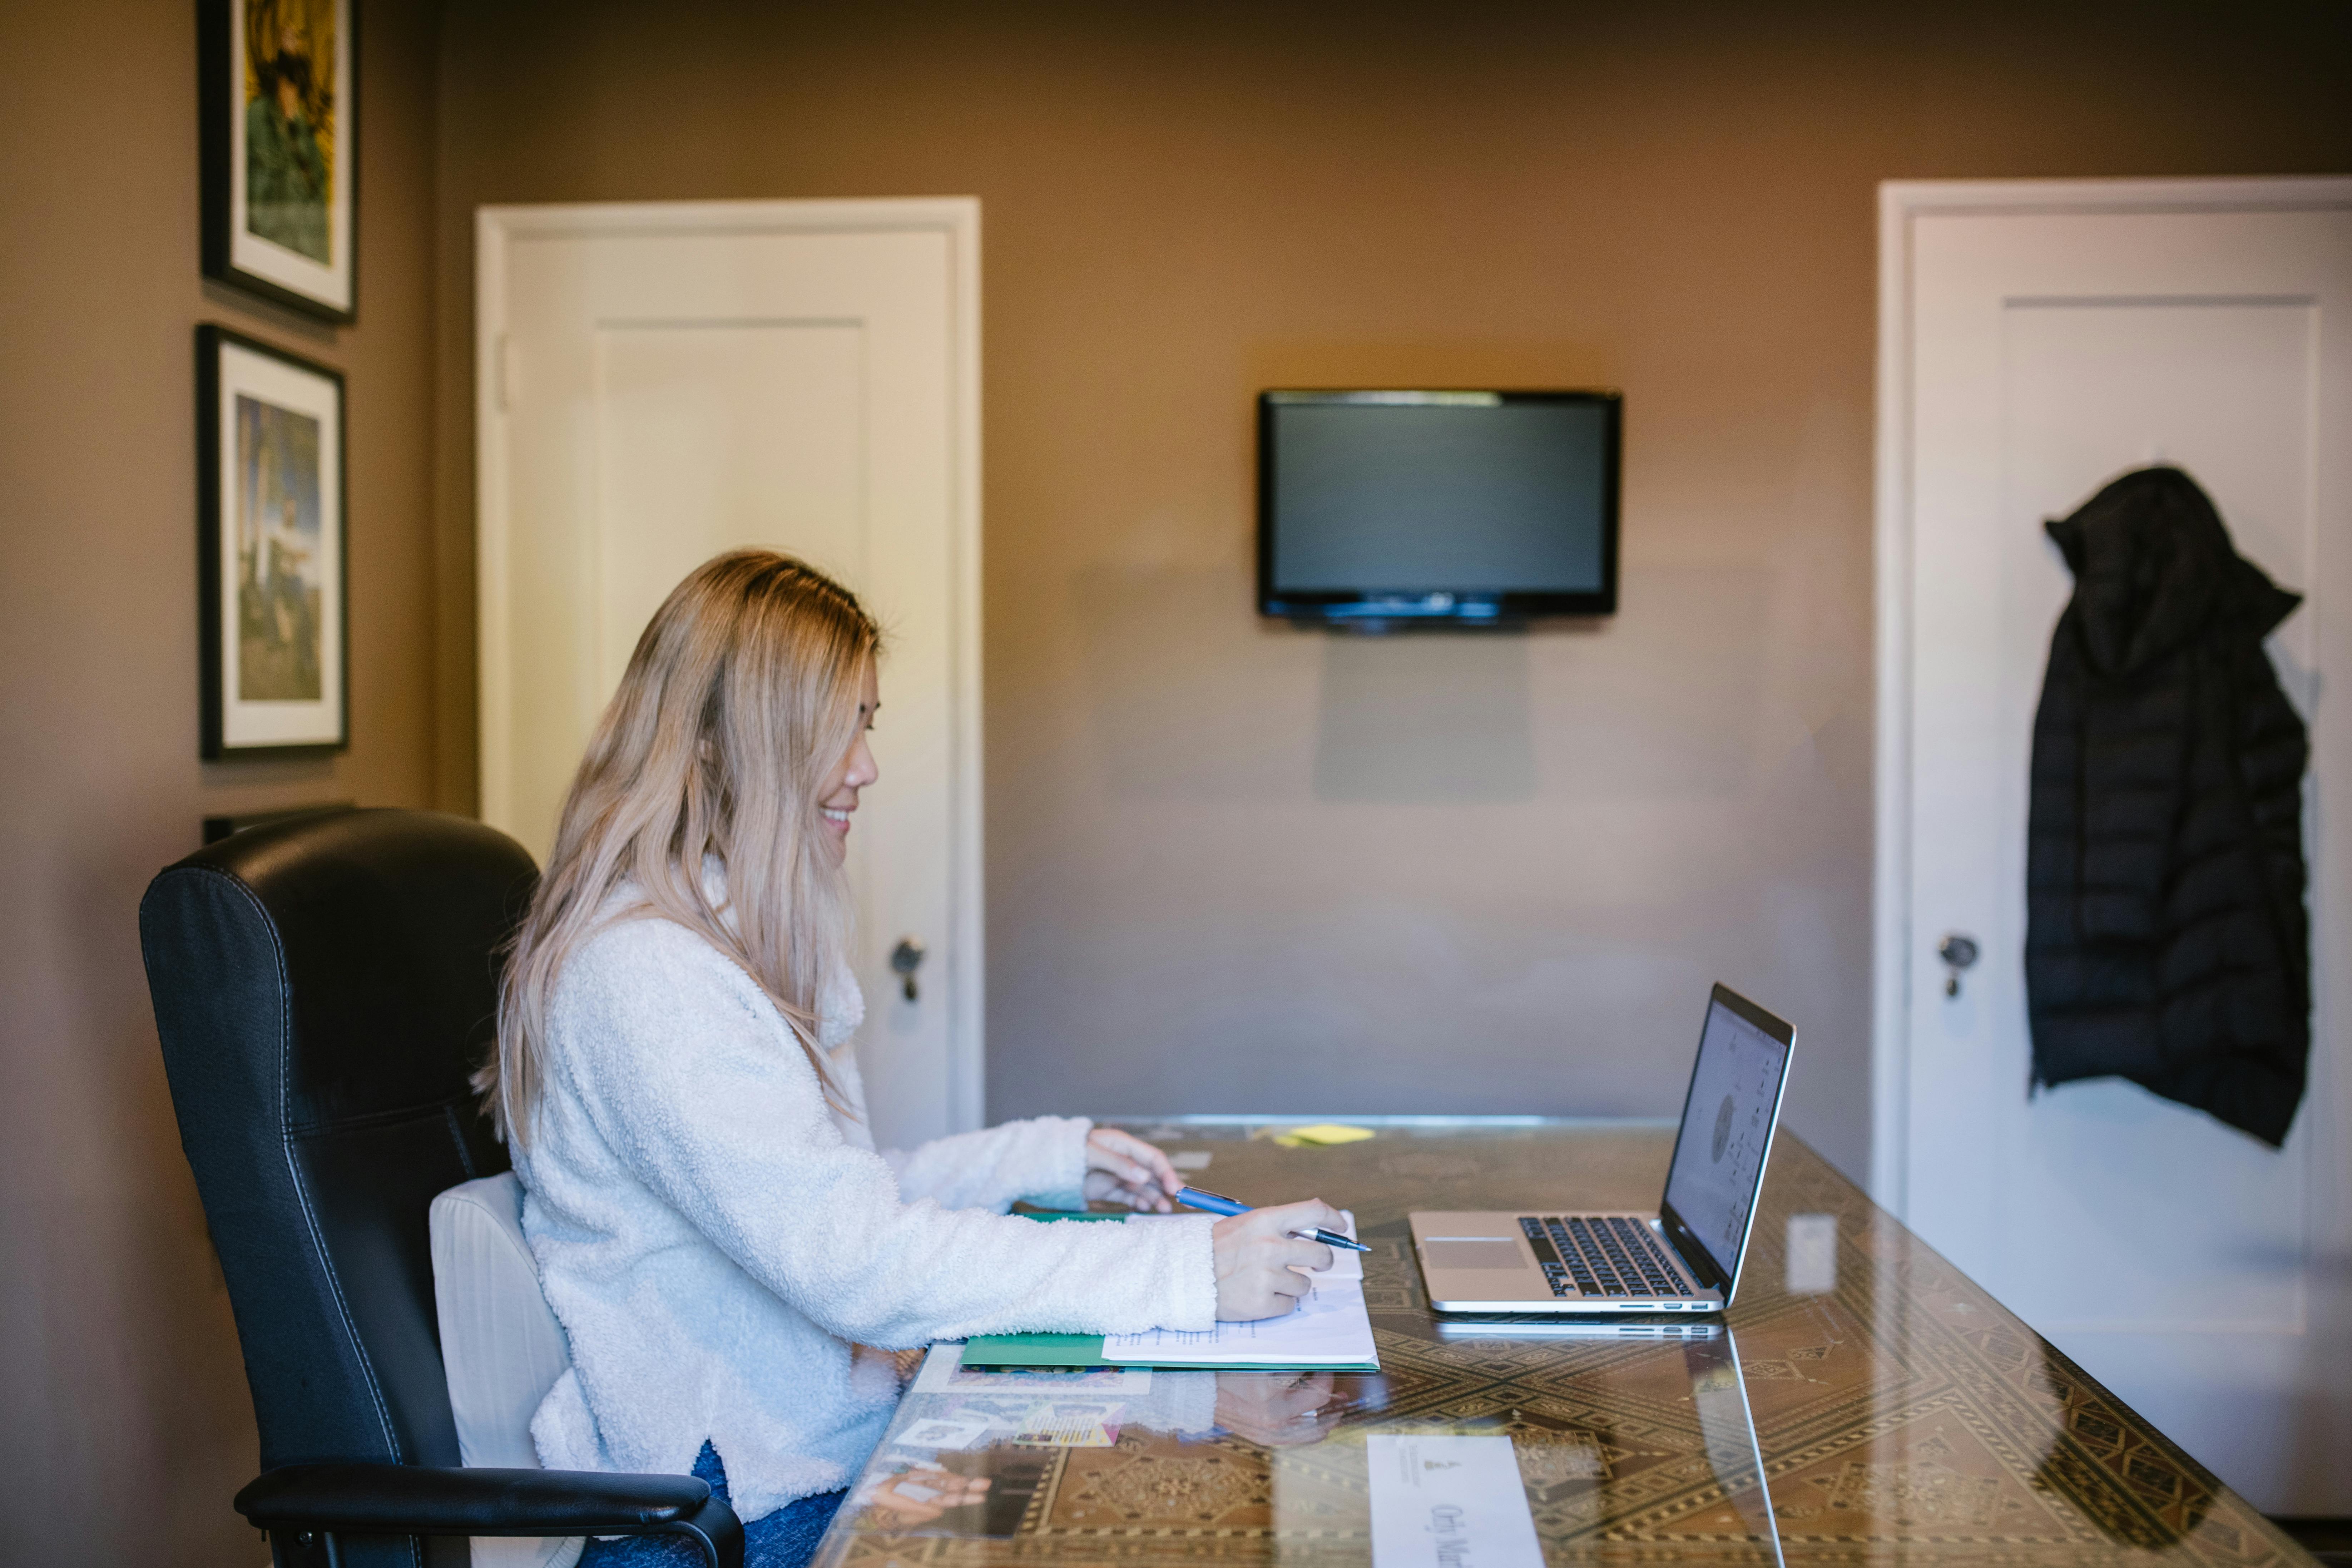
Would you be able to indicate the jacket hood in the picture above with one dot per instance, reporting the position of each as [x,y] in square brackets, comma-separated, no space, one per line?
[2154,568]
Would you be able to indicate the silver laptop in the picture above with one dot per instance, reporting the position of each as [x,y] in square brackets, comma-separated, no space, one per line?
[1648,1328]
[1686,1257]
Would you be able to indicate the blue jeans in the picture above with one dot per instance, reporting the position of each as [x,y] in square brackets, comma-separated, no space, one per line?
[785,1539]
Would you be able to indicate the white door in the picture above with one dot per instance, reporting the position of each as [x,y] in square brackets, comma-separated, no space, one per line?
[657,383]
[2037,341]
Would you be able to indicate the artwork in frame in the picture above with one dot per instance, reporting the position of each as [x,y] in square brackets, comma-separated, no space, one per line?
[270,519]
[280,148]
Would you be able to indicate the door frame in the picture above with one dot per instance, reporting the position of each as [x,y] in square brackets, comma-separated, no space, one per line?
[957,220]
[1900,204]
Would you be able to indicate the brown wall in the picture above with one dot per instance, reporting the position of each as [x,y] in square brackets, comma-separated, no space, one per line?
[1233,866]
[124,1426]
[1229,864]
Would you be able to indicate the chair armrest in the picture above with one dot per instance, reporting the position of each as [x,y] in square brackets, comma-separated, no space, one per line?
[418,1500]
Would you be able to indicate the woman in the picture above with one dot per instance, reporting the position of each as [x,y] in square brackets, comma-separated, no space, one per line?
[729,1257]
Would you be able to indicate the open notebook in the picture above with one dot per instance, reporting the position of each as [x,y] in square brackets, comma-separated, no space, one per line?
[1328,1330]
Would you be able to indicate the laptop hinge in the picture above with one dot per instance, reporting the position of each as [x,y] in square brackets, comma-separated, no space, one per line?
[1702,1268]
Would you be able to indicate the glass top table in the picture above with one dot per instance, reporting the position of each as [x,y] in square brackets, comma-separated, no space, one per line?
[1862,1402]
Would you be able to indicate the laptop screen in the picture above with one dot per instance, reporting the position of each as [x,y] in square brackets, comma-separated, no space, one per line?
[1735,1094]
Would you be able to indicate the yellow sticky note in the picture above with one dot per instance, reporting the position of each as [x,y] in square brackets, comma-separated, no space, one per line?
[1321,1135]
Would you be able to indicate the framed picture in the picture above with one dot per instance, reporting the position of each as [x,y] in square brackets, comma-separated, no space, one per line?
[281,144]
[269,475]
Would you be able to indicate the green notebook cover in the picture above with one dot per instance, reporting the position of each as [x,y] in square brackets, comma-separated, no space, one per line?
[1034,1349]
[1086,1350]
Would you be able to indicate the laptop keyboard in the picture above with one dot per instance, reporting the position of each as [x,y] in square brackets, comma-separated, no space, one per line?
[1601,1255]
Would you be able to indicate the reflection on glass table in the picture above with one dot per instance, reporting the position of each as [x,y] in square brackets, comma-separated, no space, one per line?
[1728,1431]
[1863,1402]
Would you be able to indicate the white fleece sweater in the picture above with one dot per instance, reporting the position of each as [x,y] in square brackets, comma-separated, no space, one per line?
[717,1243]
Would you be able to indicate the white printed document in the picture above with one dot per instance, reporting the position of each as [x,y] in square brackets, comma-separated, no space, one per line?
[1327,1327]
[1445,1501]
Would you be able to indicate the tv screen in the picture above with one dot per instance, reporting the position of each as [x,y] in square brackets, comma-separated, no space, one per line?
[1437,507]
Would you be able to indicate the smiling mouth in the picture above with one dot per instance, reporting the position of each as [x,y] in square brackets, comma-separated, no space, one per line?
[838,819]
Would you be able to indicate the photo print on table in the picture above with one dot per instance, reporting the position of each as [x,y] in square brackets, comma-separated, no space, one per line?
[279,139]
[270,503]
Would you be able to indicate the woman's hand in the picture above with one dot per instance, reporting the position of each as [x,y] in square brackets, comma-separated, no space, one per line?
[1278,1409]
[919,1496]
[1259,1261]
[1123,1168]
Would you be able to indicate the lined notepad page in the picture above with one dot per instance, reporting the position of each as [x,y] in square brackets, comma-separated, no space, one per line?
[1328,1328]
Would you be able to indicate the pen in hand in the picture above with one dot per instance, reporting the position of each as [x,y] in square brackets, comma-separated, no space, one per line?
[1194,1198]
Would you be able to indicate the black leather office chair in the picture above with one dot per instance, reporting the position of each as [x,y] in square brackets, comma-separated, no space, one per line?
[324,987]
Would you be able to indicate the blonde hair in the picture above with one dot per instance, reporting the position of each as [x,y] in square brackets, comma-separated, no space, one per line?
[740,700]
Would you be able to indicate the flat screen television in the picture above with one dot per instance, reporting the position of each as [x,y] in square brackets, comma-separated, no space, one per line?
[1380,509]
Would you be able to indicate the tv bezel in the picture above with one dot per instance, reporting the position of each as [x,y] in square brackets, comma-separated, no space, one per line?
[1437,603]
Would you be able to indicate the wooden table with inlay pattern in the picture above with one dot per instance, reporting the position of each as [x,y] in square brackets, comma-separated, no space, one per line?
[1900,1413]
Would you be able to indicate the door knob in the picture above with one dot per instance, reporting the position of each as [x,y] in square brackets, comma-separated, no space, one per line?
[1958,952]
[905,958]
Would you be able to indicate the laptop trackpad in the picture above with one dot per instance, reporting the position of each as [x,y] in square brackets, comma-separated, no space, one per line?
[1449,1252]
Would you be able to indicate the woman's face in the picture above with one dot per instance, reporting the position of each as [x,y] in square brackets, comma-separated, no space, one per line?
[851,773]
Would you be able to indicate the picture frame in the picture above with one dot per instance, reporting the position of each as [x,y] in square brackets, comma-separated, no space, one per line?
[273,584]
[278,110]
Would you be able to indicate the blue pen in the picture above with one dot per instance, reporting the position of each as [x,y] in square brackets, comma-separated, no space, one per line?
[1194,1198]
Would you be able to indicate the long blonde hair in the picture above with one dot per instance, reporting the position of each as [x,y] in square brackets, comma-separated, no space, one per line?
[740,701]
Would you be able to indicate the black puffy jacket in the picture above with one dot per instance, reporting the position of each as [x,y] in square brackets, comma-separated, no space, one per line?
[2166,939]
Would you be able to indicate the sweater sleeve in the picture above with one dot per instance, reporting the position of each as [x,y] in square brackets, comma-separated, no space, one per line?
[1043,1160]
[692,1080]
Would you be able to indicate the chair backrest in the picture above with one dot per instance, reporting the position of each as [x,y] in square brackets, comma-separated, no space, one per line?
[323,988]
[501,1346]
